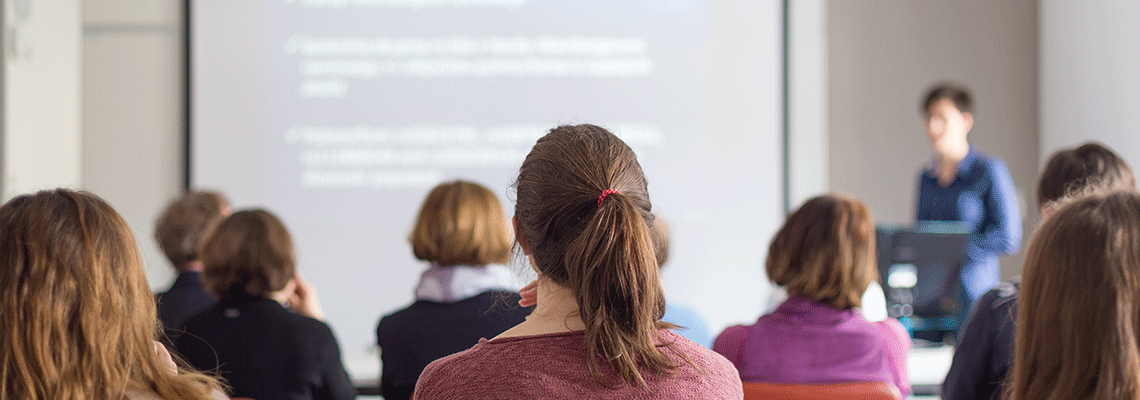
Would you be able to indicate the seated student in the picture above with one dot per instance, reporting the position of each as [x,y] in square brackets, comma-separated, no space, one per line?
[179,231]
[1079,309]
[77,314]
[582,218]
[824,256]
[262,349]
[985,343]
[465,295]
[691,325]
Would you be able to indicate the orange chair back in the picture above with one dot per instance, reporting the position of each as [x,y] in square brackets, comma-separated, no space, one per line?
[831,391]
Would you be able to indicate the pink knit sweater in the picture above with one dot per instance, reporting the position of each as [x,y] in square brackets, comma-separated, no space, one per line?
[553,366]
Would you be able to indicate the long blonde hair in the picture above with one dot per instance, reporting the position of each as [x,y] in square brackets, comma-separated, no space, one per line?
[77,314]
[1079,307]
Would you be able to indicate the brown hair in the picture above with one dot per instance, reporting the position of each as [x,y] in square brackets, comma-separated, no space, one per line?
[958,94]
[1079,308]
[461,223]
[825,251]
[250,253]
[185,222]
[659,231]
[1091,164]
[599,249]
[78,317]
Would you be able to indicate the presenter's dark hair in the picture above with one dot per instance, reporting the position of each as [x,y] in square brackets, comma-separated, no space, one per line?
[603,252]
[825,251]
[1078,317]
[958,94]
[250,253]
[1073,170]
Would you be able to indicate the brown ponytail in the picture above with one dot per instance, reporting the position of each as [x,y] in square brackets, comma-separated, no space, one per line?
[601,250]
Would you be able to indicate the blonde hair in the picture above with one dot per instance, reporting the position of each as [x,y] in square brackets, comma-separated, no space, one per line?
[461,223]
[250,253]
[79,319]
[1079,307]
[825,251]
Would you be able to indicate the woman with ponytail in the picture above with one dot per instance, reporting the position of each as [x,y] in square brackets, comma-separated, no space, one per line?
[824,256]
[77,314]
[583,220]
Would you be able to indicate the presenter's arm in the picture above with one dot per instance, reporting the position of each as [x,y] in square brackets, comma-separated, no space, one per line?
[1003,234]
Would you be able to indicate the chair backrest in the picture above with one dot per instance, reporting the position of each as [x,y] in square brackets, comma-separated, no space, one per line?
[830,391]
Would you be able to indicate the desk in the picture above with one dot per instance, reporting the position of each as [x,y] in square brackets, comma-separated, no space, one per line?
[927,367]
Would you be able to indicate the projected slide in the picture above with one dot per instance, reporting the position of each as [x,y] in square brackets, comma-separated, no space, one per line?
[340,115]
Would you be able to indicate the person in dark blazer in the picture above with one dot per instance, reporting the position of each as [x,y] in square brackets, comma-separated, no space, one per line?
[261,348]
[465,295]
[180,230]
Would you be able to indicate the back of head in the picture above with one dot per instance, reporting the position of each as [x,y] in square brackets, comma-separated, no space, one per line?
[956,93]
[461,223]
[1079,306]
[596,242]
[1074,170]
[825,251]
[79,320]
[185,222]
[249,254]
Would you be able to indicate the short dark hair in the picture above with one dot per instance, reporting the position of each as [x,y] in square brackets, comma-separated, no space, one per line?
[957,93]
[1091,164]
[185,222]
[250,252]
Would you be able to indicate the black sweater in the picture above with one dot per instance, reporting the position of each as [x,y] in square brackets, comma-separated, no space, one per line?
[412,338]
[264,351]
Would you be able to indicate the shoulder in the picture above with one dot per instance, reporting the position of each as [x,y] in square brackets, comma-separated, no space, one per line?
[990,165]
[466,369]
[728,342]
[1004,295]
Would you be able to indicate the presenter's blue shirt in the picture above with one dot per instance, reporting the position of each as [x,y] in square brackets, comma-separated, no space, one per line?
[983,197]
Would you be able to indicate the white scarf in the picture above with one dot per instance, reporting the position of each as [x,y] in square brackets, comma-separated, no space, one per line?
[460,282]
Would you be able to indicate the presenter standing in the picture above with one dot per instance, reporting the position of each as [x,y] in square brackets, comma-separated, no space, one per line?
[965,185]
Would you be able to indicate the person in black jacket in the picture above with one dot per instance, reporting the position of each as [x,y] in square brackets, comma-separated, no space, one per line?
[180,230]
[985,344]
[465,295]
[261,348]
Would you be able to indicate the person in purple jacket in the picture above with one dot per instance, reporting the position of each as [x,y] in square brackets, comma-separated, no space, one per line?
[824,256]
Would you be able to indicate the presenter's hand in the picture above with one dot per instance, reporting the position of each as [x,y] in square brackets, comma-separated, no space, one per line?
[529,294]
[304,300]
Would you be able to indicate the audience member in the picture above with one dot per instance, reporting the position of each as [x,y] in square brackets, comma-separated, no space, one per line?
[985,343]
[962,184]
[691,325]
[262,349]
[180,231]
[1079,313]
[582,219]
[824,256]
[77,314]
[465,295]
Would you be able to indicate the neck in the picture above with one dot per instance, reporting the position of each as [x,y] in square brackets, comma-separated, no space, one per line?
[952,157]
[556,311]
[195,266]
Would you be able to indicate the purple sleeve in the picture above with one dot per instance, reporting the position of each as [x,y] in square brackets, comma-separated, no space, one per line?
[896,342]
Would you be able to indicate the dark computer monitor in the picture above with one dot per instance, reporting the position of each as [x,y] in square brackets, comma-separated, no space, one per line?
[919,269]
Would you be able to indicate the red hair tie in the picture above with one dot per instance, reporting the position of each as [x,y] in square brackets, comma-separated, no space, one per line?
[605,193]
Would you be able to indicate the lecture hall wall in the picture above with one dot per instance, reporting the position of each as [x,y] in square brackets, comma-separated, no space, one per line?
[1047,73]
